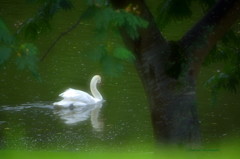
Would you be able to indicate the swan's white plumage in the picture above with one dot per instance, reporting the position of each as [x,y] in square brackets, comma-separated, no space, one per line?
[73,97]
[78,95]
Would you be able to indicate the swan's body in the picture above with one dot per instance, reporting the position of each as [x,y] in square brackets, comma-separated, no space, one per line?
[73,97]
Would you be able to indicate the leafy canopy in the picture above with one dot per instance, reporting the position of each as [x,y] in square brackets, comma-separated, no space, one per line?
[170,10]
[227,52]
[99,11]
[25,54]
[6,39]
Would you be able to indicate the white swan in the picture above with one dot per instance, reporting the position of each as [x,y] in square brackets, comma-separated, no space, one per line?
[73,97]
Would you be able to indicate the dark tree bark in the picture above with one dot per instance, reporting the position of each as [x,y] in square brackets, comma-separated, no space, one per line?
[169,69]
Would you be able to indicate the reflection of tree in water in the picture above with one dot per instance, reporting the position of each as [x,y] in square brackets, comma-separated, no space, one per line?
[74,115]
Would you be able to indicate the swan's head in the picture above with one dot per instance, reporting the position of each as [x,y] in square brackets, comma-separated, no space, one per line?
[96,78]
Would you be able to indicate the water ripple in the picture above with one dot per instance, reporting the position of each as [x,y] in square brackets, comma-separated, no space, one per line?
[42,105]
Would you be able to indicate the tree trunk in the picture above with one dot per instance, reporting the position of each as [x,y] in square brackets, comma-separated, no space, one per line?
[169,69]
[171,99]
[172,102]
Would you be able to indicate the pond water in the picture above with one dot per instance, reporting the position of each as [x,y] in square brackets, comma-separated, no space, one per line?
[28,119]
[122,119]
[42,126]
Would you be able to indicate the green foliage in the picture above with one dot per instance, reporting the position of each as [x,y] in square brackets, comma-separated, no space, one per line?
[27,57]
[111,60]
[107,18]
[216,55]
[40,22]
[173,9]
[5,35]
[131,23]
[26,53]
[35,26]
[228,81]
[6,41]
[169,10]
[123,54]
[227,52]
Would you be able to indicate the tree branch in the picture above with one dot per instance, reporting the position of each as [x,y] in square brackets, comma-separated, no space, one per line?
[61,35]
[198,41]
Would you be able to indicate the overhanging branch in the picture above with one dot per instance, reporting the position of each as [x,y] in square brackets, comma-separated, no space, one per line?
[199,40]
[71,28]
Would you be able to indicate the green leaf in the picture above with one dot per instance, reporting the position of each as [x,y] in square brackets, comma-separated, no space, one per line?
[5,35]
[28,49]
[40,22]
[173,9]
[229,80]
[5,53]
[227,52]
[109,64]
[123,54]
[231,38]
[108,19]
[217,55]
[27,58]
[132,23]
[104,18]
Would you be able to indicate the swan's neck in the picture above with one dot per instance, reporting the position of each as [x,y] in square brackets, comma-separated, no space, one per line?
[94,90]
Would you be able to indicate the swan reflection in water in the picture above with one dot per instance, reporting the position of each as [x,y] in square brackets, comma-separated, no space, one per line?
[74,115]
